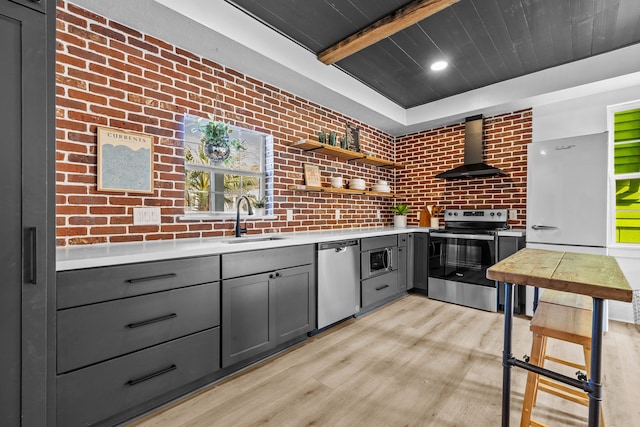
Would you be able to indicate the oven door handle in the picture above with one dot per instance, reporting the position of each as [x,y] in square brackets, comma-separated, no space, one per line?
[464,236]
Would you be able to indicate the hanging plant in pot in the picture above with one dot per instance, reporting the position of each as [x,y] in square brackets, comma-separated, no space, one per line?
[400,218]
[216,142]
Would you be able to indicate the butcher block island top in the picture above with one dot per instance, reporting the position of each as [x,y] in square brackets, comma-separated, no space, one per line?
[598,276]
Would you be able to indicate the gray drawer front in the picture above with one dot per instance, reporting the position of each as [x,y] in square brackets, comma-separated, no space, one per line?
[378,242]
[86,286]
[92,394]
[379,288]
[99,332]
[255,262]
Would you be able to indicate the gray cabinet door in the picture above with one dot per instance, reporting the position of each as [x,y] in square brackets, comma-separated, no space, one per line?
[410,261]
[420,261]
[27,109]
[248,322]
[102,391]
[402,269]
[293,291]
[379,288]
[97,332]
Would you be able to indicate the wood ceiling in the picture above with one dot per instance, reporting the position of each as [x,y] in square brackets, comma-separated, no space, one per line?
[484,41]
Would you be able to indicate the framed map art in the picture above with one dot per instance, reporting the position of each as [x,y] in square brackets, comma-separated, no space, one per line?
[125,161]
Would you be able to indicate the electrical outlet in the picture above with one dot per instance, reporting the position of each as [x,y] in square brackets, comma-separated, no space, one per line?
[513,214]
[378,215]
[337,214]
[146,216]
[289,215]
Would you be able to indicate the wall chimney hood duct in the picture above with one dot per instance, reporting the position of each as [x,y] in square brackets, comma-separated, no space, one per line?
[473,146]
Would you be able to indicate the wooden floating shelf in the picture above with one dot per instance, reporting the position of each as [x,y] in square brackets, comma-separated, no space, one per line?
[339,191]
[341,153]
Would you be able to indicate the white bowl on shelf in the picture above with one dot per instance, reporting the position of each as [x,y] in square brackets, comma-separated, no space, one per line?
[381,189]
[357,184]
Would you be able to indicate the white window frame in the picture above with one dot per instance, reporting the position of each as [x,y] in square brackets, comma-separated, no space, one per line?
[265,177]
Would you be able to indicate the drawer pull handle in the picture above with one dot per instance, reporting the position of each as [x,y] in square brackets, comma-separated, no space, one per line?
[150,278]
[150,321]
[379,288]
[150,376]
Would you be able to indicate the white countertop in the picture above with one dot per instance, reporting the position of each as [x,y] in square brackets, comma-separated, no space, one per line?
[100,255]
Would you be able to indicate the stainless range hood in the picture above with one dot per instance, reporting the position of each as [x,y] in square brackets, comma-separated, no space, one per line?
[473,165]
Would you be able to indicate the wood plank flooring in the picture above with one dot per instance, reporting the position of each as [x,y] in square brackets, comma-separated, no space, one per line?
[416,362]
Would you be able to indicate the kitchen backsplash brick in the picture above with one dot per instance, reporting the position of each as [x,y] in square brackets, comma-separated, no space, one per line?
[111,75]
[428,153]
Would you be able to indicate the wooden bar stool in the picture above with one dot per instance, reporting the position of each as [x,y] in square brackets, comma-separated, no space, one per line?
[564,323]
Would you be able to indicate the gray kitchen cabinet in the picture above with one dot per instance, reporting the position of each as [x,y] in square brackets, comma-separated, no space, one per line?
[103,393]
[420,261]
[404,241]
[248,321]
[145,333]
[27,184]
[39,5]
[402,269]
[261,311]
[295,309]
[410,261]
[379,289]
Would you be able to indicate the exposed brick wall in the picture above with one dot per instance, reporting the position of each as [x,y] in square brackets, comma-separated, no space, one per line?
[428,153]
[111,75]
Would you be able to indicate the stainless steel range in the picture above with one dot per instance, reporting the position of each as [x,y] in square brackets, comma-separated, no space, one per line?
[460,254]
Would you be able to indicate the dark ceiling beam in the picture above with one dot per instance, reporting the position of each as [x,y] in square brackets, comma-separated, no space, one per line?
[383,28]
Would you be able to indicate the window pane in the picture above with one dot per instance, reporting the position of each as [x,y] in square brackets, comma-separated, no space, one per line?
[627,157]
[628,211]
[197,189]
[627,125]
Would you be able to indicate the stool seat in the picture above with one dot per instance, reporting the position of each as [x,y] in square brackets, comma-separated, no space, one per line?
[565,323]
[566,298]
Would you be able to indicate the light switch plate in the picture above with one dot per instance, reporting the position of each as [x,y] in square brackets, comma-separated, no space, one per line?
[146,216]
[513,214]
[289,215]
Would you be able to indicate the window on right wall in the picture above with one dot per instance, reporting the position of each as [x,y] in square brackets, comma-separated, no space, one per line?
[626,173]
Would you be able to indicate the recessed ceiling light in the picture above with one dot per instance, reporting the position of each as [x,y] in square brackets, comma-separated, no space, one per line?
[439,65]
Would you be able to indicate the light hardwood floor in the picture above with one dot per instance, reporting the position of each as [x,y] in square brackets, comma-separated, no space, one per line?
[416,362]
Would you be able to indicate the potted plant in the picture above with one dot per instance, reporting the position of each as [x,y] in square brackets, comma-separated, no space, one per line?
[260,206]
[401,211]
[217,145]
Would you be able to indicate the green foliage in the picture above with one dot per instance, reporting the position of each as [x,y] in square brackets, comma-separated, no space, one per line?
[401,209]
[260,203]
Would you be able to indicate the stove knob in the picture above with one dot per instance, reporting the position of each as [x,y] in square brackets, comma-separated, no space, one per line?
[499,213]
[455,214]
[492,213]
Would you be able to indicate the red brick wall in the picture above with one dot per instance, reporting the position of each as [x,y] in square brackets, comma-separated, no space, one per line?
[428,153]
[110,75]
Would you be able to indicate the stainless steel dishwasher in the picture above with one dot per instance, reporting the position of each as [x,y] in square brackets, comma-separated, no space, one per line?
[338,281]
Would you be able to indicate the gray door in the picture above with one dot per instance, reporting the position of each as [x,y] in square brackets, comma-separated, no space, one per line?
[292,290]
[248,321]
[26,123]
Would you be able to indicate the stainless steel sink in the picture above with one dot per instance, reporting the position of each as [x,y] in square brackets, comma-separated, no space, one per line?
[252,239]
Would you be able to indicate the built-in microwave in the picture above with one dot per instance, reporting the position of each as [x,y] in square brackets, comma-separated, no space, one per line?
[379,255]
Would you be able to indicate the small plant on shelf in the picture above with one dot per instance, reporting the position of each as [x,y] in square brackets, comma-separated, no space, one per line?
[401,209]
[400,218]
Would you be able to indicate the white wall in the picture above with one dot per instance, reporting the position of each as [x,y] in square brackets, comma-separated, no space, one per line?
[578,116]
[584,115]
